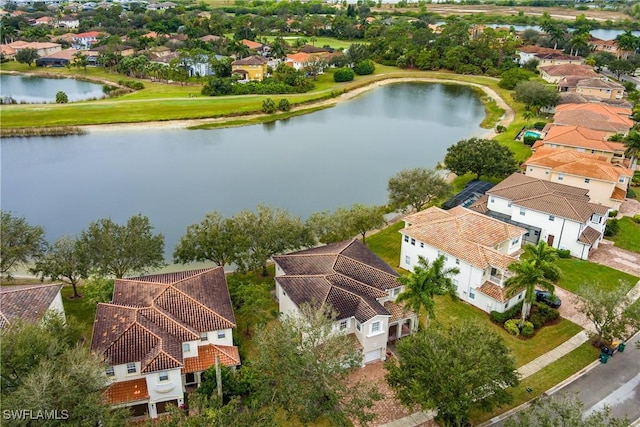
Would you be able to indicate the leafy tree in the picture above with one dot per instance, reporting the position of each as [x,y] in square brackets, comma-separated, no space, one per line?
[267,232]
[416,188]
[330,227]
[454,372]
[20,242]
[269,106]
[364,218]
[611,312]
[120,250]
[562,410]
[602,59]
[343,75]
[483,157]
[364,67]
[357,52]
[284,105]
[620,67]
[213,239]
[316,67]
[98,289]
[61,97]
[512,77]
[301,368]
[252,303]
[425,282]
[536,95]
[528,275]
[531,65]
[65,260]
[27,56]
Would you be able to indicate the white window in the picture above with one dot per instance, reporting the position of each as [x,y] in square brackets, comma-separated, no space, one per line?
[413,242]
[493,199]
[186,348]
[455,283]
[560,176]
[621,180]
[396,291]
[131,368]
[530,169]
[163,376]
[515,241]
[358,327]
[203,336]
[421,244]
[457,261]
[110,372]
[343,324]
[587,180]
[407,260]
[522,211]
[221,334]
[472,294]
[546,172]
[375,327]
[509,203]
[552,218]
[284,293]
[406,239]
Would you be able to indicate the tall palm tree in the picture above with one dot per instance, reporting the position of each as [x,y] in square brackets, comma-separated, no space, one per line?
[543,257]
[527,276]
[632,146]
[425,282]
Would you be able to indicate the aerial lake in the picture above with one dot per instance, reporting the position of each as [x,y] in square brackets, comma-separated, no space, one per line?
[320,161]
[42,90]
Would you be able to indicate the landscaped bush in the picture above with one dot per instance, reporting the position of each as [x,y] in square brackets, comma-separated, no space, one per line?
[636,218]
[612,228]
[268,106]
[527,329]
[343,75]
[511,326]
[631,194]
[613,214]
[564,253]
[529,140]
[500,318]
[541,314]
[539,125]
[500,129]
[284,105]
[131,84]
[61,97]
[364,68]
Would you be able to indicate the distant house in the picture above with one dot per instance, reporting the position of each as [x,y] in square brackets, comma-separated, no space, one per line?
[356,283]
[482,248]
[546,56]
[69,22]
[261,49]
[43,48]
[600,88]
[59,59]
[555,73]
[29,302]
[609,46]
[160,333]
[7,52]
[598,116]
[558,214]
[583,140]
[251,68]
[45,20]
[607,183]
[85,40]
[299,60]
[211,38]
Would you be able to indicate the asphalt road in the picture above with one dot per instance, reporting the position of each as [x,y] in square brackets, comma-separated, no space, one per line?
[615,384]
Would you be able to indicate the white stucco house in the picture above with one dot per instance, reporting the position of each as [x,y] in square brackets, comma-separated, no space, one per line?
[558,214]
[356,283]
[160,333]
[479,246]
[29,302]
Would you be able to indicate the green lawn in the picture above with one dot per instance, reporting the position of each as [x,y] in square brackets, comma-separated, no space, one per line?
[319,41]
[386,244]
[629,235]
[79,308]
[576,272]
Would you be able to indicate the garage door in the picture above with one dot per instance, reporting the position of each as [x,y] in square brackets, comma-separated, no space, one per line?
[371,356]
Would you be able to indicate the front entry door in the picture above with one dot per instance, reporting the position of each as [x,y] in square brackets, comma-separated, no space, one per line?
[550,240]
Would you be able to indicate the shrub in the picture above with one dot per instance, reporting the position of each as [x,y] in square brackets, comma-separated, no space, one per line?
[539,125]
[511,326]
[529,140]
[636,218]
[612,228]
[343,75]
[131,84]
[500,318]
[284,105]
[500,129]
[268,106]
[542,314]
[631,194]
[527,329]
[61,97]
[613,214]
[364,68]
[564,253]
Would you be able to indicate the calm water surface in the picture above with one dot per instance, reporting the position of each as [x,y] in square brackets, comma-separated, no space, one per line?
[321,161]
[39,90]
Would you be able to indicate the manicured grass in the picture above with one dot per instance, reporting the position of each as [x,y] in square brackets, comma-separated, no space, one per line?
[319,41]
[576,272]
[629,235]
[79,308]
[544,379]
[386,244]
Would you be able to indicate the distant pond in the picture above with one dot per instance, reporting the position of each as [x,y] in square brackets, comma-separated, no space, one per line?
[321,161]
[36,90]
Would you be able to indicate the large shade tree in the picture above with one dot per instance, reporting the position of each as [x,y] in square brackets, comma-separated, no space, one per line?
[212,239]
[120,250]
[425,282]
[453,371]
[64,260]
[416,188]
[536,95]
[482,157]
[20,242]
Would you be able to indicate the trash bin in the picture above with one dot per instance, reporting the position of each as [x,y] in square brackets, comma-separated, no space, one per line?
[621,347]
[604,357]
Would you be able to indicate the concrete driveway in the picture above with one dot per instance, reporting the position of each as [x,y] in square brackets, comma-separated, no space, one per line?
[617,258]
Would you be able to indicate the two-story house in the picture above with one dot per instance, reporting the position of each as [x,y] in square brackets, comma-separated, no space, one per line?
[594,116]
[251,68]
[29,303]
[607,183]
[559,214]
[546,56]
[85,40]
[555,73]
[479,246]
[356,283]
[583,140]
[160,333]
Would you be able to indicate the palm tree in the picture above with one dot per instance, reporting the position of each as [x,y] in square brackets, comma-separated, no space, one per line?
[632,146]
[527,276]
[425,282]
[543,257]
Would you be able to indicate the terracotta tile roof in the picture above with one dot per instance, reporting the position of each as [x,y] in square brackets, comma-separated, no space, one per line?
[581,98]
[594,116]
[89,34]
[548,197]
[471,236]
[228,356]
[618,194]
[151,316]
[569,70]
[398,311]
[26,302]
[493,291]
[599,83]
[127,391]
[300,57]
[571,162]
[251,44]
[537,49]
[581,137]
[251,60]
[589,235]
[346,275]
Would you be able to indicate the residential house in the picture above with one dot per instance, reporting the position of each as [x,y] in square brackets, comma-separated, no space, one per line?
[555,73]
[7,52]
[29,302]
[160,333]
[577,98]
[43,48]
[251,68]
[59,59]
[482,248]
[609,46]
[559,214]
[356,283]
[261,49]
[607,183]
[68,22]
[85,40]
[600,88]
[583,140]
[546,56]
[598,116]
[299,60]
[45,20]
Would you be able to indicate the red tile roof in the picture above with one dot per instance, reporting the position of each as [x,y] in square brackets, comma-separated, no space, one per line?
[228,356]
[493,291]
[579,164]
[26,302]
[127,391]
[581,137]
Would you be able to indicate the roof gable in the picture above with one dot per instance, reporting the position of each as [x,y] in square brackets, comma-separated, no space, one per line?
[27,302]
